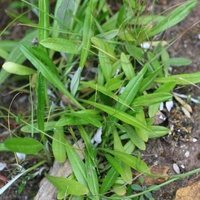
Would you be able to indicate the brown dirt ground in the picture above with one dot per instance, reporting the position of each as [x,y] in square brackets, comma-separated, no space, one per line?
[161,152]
[166,152]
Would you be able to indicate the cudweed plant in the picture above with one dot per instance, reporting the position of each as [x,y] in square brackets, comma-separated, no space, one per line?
[98,77]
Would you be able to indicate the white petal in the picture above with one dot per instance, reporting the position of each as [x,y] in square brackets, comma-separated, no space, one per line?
[2,166]
[145,45]
[169,105]
[97,137]
[161,106]
[21,156]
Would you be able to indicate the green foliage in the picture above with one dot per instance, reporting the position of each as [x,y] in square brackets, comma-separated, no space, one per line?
[140,188]
[67,187]
[22,145]
[119,97]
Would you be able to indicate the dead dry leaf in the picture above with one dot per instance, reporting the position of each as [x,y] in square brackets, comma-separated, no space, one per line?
[191,192]
[158,170]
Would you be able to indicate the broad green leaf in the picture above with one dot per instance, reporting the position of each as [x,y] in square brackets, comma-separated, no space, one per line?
[64,13]
[106,56]
[136,52]
[3,54]
[122,169]
[67,186]
[47,73]
[136,187]
[131,161]
[105,91]
[61,45]
[150,99]
[33,128]
[108,35]
[129,147]
[164,58]
[178,62]
[77,164]
[58,144]
[140,132]
[148,81]
[18,69]
[114,84]
[173,18]
[166,87]
[153,109]
[119,115]
[16,55]
[137,141]
[131,89]
[158,131]
[8,45]
[146,19]
[117,141]
[80,118]
[72,121]
[180,79]
[120,189]
[127,66]
[23,145]
[109,180]
[3,147]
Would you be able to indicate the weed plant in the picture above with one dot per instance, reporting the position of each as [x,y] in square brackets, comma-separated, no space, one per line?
[97,76]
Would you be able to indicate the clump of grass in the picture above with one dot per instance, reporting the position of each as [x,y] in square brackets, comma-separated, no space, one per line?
[109,76]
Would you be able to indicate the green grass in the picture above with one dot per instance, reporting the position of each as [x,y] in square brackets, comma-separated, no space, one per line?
[118,101]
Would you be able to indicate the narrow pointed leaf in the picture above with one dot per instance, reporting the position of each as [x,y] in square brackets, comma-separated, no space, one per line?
[76,164]
[150,99]
[158,131]
[132,161]
[67,186]
[58,144]
[126,174]
[178,61]
[135,139]
[109,180]
[119,115]
[174,17]
[127,66]
[131,90]
[181,79]
[47,73]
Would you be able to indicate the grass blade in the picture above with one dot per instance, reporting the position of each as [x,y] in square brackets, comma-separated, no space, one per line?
[58,144]
[173,18]
[48,74]
[126,118]
[131,161]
